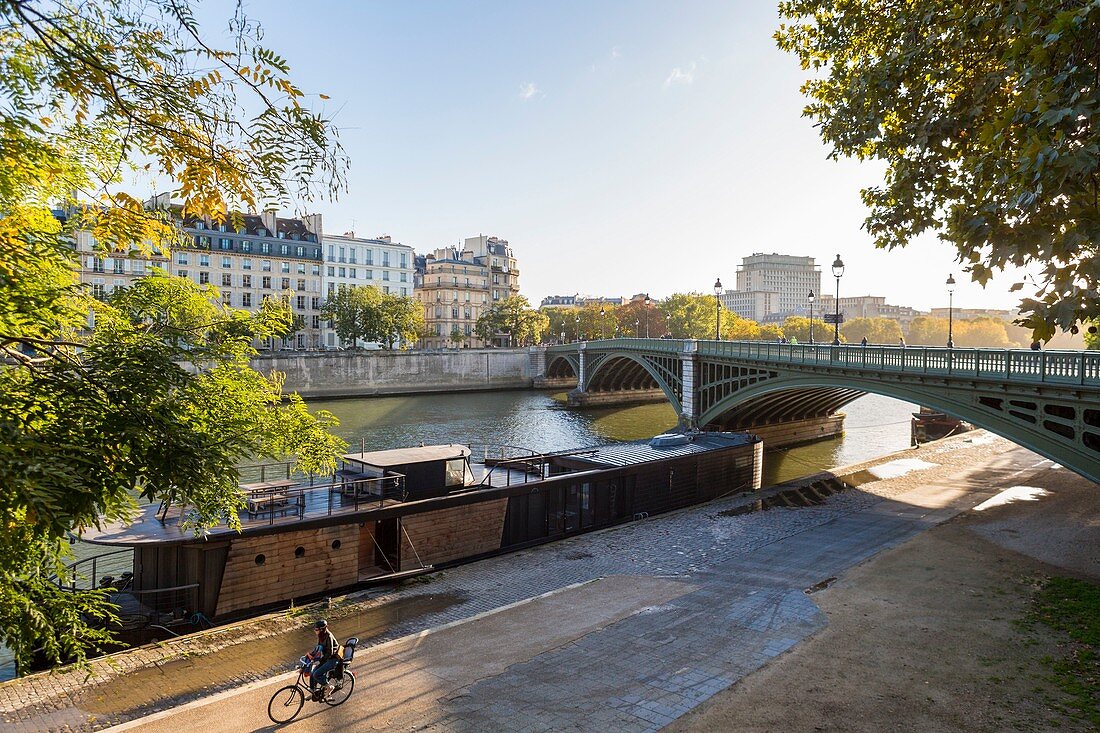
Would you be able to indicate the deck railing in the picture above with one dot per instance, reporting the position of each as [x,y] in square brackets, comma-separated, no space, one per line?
[308,500]
[85,574]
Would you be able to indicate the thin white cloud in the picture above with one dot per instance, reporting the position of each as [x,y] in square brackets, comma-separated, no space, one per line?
[678,76]
[528,91]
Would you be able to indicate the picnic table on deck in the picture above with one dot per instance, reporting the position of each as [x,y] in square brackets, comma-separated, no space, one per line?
[272,496]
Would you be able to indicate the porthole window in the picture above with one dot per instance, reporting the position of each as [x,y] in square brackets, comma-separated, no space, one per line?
[261,559]
[299,551]
[336,544]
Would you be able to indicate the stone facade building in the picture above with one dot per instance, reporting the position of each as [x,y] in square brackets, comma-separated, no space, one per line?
[360,262]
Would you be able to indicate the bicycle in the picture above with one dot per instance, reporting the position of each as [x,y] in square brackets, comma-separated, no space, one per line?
[288,701]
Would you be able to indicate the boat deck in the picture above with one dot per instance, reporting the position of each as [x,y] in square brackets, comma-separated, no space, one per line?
[277,505]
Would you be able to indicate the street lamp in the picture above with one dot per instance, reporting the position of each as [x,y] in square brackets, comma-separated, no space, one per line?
[647,316]
[668,325]
[718,309]
[602,334]
[577,329]
[950,310]
[838,271]
[637,328]
[810,297]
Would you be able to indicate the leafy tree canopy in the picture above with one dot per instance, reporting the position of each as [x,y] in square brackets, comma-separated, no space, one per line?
[148,395]
[514,317]
[875,330]
[987,115]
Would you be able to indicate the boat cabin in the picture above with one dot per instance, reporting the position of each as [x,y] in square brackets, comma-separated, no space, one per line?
[428,470]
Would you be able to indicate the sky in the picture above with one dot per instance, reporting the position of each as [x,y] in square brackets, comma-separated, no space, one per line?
[620,147]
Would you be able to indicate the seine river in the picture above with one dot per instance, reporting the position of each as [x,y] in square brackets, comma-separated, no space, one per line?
[540,421]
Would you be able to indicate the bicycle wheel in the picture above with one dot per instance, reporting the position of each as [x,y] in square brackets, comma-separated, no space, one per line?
[285,704]
[344,686]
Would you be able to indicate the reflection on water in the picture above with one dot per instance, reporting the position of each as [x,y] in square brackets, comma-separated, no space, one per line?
[540,421]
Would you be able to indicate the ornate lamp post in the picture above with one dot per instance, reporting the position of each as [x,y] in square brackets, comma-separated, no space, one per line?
[637,328]
[647,301]
[577,329]
[810,297]
[838,271]
[668,325]
[950,311]
[718,309]
[602,334]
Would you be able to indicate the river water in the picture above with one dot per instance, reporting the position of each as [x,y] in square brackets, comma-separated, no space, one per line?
[540,421]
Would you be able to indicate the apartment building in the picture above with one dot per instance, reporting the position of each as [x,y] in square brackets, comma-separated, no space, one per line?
[357,262]
[579,301]
[867,306]
[249,258]
[456,286]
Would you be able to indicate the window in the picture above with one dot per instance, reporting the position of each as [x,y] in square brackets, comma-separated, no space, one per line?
[119,266]
[331,271]
[265,265]
[301,284]
[225,243]
[343,271]
[284,267]
[97,264]
[267,283]
[246,246]
[404,291]
[404,260]
[317,321]
[369,255]
[300,302]
[316,304]
[246,281]
[226,262]
[301,268]
[386,289]
[300,251]
[183,259]
[315,270]
[98,291]
[353,251]
[181,273]
[385,259]
[343,258]
[204,278]
[284,249]
[285,283]
[138,267]
[405,277]
[246,264]
[200,225]
[331,253]
[204,260]
[265,247]
[385,274]
[227,280]
[454,312]
[370,274]
[227,297]
[351,272]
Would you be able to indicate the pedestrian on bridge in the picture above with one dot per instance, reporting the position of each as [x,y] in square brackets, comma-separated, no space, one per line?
[901,342]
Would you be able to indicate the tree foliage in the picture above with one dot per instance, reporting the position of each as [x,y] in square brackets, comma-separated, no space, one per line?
[690,315]
[152,397]
[514,318]
[987,115]
[875,330]
[797,328]
[367,314]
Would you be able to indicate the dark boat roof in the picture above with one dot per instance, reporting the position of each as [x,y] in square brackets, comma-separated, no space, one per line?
[408,456]
[628,454]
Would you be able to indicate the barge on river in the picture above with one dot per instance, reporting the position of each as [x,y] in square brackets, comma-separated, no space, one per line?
[393,513]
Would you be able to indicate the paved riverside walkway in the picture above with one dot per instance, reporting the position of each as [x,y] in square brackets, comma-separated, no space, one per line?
[624,629]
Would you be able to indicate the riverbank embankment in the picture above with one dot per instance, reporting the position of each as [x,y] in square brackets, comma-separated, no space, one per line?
[749,571]
[333,374]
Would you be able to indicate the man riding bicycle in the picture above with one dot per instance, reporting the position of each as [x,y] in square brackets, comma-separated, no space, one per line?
[325,656]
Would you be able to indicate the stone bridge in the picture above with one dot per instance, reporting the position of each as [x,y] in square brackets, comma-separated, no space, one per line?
[1047,401]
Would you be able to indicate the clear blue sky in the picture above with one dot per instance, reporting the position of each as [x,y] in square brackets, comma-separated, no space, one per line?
[621,147]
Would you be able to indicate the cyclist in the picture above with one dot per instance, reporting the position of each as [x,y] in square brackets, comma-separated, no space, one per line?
[325,656]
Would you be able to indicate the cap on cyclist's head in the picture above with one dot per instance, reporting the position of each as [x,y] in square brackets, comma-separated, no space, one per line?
[320,625]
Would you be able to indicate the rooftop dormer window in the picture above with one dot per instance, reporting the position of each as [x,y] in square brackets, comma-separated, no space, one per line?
[261,232]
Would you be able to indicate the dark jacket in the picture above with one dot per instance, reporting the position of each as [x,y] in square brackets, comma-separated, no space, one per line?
[330,648]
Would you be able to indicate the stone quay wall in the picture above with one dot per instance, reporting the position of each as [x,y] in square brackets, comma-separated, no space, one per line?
[317,375]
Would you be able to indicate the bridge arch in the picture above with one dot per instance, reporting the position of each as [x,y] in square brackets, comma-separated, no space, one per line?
[562,366]
[1031,431]
[617,371]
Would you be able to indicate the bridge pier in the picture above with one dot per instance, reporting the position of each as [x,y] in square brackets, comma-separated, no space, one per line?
[577,398]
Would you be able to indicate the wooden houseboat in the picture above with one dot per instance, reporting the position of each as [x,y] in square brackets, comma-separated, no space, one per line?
[387,514]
